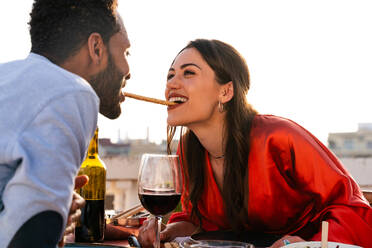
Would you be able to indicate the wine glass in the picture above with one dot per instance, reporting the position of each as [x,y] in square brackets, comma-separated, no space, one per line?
[159,186]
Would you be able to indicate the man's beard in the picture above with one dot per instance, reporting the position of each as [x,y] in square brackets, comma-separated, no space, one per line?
[107,85]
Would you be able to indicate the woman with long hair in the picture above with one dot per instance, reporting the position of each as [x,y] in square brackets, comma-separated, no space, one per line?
[247,171]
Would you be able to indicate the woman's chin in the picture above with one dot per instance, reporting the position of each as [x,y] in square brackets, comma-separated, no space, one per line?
[173,123]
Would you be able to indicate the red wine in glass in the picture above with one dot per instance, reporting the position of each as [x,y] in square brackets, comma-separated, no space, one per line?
[159,203]
[159,186]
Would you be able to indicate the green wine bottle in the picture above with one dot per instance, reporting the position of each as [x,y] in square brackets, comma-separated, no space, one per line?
[91,226]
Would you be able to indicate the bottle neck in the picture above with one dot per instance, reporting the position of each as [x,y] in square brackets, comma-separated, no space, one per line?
[93,146]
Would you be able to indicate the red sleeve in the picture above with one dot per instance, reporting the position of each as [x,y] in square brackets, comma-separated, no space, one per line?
[179,216]
[338,199]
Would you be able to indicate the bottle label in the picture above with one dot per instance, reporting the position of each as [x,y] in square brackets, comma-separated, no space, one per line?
[95,189]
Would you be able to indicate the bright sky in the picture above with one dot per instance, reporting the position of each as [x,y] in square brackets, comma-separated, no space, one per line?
[310,61]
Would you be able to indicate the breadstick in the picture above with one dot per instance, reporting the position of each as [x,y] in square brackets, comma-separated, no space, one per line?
[149,99]
[126,213]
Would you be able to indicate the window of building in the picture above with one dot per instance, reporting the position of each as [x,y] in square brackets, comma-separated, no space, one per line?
[331,144]
[109,201]
[369,144]
[348,144]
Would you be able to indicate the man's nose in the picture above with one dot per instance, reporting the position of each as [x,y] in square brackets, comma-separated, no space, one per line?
[127,77]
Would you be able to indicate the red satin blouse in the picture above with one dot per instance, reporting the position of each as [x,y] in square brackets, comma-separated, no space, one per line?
[295,182]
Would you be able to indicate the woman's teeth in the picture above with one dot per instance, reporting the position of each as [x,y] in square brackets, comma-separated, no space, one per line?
[178,99]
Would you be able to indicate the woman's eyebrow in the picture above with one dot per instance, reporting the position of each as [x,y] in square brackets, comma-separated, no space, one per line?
[185,65]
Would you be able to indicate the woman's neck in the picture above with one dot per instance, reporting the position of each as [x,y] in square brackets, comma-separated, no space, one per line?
[211,136]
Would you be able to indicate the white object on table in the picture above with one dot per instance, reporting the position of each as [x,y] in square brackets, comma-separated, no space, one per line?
[317,244]
[324,234]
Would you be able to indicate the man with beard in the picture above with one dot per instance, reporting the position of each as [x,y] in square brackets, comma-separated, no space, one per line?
[49,104]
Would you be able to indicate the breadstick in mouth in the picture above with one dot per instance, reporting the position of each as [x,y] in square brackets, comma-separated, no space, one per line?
[149,99]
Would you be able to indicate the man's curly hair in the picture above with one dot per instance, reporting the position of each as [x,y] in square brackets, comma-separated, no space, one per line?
[59,28]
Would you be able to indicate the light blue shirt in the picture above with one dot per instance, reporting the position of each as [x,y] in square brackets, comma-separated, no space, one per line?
[47,117]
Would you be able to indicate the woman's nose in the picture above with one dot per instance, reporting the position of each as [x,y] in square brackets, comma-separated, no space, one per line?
[173,83]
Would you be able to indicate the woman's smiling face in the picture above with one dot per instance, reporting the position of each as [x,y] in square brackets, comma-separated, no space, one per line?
[191,82]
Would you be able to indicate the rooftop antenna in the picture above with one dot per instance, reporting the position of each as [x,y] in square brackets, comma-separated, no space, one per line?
[119,138]
[148,135]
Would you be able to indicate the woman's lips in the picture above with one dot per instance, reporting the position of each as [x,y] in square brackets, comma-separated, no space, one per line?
[174,106]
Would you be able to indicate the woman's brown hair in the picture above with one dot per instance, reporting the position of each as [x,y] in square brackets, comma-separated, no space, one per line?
[228,65]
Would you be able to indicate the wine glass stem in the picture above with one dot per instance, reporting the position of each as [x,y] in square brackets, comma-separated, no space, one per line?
[158,220]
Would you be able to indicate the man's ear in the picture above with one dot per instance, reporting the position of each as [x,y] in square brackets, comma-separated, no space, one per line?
[96,48]
[226,92]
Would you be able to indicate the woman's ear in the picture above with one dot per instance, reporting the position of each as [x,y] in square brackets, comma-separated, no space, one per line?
[226,92]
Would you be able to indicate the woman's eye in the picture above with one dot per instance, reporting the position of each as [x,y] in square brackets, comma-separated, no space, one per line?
[187,72]
[170,76]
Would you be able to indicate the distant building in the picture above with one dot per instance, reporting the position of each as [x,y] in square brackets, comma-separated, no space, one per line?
[122,161]
[354,149]
[360,169]
[121,182]
[106,148]
[352,144]
[139,147]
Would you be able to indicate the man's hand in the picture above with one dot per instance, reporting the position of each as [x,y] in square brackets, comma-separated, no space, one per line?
[77,203]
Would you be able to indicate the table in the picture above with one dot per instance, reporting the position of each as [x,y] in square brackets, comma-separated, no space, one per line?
[368,195]
[114,235]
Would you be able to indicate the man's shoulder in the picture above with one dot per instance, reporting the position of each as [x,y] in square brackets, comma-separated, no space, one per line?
[32,85]
[55,77]
[37,74]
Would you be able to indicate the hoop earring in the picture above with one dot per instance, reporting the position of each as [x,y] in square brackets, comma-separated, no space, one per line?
[220,107]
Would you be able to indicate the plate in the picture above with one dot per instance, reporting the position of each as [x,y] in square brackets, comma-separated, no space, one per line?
[255,238]
[317,244]
[191,243]
[83,245]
